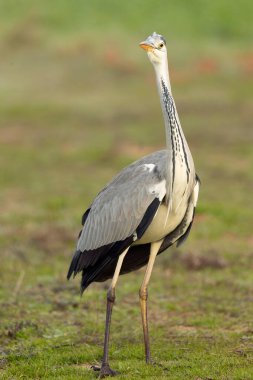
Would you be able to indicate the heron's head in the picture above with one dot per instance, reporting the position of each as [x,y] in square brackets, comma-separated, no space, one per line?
[155,46]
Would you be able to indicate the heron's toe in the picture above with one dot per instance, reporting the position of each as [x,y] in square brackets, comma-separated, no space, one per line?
[95,368]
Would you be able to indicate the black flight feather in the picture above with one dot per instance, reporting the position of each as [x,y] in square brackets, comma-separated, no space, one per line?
[93,262]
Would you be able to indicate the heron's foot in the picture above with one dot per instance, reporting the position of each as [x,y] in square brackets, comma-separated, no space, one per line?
[105,370]
[150,360]
[155,363]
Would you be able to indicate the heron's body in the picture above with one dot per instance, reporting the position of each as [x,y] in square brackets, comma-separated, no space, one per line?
[139,181]
[145,209]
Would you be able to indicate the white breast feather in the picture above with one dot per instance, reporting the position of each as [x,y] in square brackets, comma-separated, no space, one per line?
[159,189]
[195,194]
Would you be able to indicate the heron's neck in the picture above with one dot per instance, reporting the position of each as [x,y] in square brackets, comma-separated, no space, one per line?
[171,118]
[177,148]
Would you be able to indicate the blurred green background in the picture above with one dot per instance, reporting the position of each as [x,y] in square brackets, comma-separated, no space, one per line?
[78,101]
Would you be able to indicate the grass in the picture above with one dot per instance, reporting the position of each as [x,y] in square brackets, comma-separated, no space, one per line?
[77,103]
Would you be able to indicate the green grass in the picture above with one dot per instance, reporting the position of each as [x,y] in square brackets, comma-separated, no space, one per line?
[77,103]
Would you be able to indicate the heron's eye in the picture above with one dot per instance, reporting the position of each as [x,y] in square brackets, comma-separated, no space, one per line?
[161,45]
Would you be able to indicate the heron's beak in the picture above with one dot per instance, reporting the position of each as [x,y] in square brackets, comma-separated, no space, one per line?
[147,46]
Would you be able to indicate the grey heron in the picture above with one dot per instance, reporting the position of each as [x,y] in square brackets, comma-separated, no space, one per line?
[145,209]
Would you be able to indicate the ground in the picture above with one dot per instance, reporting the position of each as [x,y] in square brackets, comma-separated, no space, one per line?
[78,103]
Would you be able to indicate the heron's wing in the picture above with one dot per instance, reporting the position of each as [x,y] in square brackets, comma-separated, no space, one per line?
[119,208]
[120,213]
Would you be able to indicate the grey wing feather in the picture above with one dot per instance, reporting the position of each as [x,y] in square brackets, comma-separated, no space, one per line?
[119,208]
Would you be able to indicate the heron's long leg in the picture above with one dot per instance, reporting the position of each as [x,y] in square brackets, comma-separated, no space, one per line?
[105,368]
[144,296]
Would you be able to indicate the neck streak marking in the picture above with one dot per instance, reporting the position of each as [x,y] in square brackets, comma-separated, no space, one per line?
[174,126]
[168,104]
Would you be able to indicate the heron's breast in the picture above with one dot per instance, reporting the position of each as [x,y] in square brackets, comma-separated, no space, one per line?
[163,223]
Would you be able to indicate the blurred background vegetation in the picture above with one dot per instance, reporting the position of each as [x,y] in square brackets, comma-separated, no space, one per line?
[78,101]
